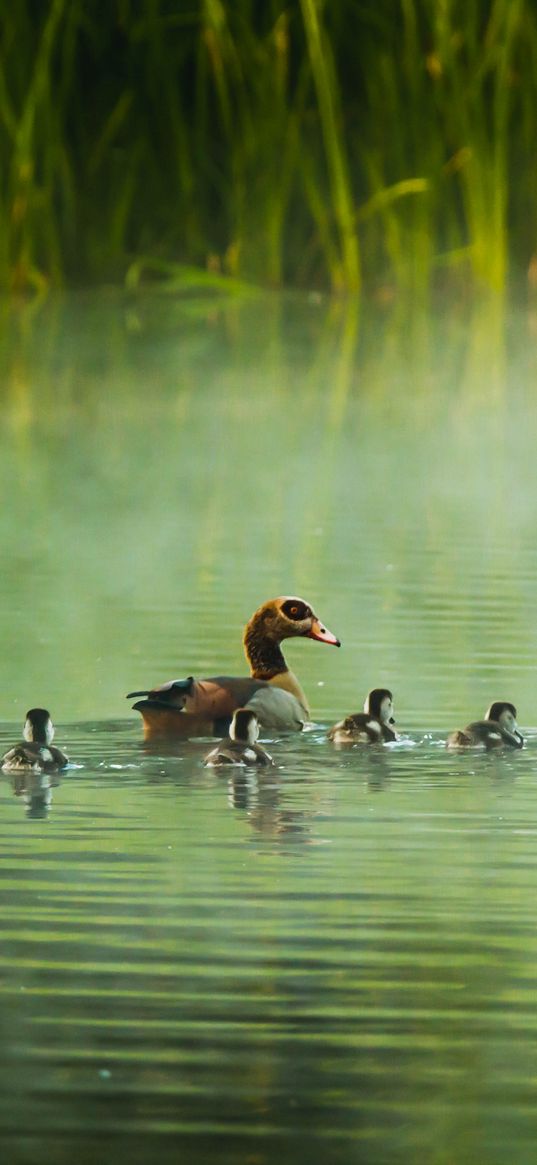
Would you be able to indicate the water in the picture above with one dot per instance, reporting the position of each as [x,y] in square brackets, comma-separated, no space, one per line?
[335,960]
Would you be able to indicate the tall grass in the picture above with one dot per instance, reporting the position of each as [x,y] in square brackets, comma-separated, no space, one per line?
[389,142]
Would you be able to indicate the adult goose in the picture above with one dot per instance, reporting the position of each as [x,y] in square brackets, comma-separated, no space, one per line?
[193,707]
[498,729]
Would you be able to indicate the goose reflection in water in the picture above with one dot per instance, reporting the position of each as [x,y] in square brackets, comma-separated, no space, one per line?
[35,790]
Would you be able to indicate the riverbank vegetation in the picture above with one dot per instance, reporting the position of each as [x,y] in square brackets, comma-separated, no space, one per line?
[388,145]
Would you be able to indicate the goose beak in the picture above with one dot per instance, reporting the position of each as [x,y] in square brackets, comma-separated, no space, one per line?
[317,631]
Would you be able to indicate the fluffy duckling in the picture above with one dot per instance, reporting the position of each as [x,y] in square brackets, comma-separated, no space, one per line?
[372,726]
[240,747]
[498,729]
[35,753]
[199,707]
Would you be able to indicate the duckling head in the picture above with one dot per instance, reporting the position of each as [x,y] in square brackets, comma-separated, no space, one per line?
[505,715]
[379,703]
[244,726]
[38,726]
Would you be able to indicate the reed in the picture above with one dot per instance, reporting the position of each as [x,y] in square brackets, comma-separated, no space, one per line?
[347,272]
[298,142]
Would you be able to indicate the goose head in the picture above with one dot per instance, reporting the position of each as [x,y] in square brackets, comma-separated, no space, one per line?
[287,617]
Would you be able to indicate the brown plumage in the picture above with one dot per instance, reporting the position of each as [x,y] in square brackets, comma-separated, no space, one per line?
[499,729]
[194,707]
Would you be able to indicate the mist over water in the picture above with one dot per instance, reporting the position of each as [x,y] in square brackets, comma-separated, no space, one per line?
[168,467]
[341,953]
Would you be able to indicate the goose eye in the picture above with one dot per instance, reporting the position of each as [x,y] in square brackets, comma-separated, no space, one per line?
[295,610]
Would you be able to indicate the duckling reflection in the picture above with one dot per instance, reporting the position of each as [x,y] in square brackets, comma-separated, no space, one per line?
[260,800]
[498,729]
[375,725]
[36,752]
[35,789]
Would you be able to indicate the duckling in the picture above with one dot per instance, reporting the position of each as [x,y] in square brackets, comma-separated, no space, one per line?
[240,747]
[193,707]
[35,753]
[372,726]
[498,729]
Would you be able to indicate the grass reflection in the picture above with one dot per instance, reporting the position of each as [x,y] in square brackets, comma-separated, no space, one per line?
[161,479]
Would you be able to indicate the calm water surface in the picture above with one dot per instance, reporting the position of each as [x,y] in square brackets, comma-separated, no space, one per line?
[335,961]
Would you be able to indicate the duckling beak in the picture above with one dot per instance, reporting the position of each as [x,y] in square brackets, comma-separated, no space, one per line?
[317,631]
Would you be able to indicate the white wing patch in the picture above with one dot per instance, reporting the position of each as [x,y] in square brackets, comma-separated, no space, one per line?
[373,726]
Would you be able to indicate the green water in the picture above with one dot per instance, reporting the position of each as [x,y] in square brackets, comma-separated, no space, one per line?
[335,961]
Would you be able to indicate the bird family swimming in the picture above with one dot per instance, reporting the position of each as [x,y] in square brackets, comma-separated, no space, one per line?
[240,747]
[36,752]
[498,729]
[271,697]
[193,707]
[375,725]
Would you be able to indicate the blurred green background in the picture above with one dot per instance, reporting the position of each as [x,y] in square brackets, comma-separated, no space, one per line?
[167,458]
[389,144]
[339,962]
